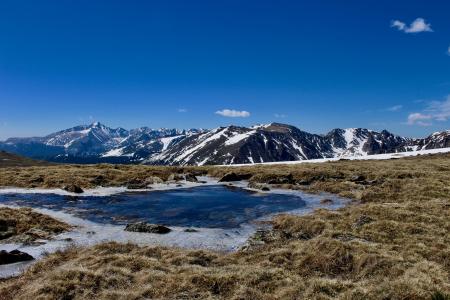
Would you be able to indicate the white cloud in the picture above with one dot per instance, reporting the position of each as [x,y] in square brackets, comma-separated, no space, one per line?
[419,119]
[395,108]
[398,24]
[418,25]
[440,110]
[182,110]
[233,113]
[435,111]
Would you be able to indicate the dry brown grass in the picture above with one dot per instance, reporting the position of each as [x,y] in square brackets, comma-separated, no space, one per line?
[85,176]
[29,225]
[392,243]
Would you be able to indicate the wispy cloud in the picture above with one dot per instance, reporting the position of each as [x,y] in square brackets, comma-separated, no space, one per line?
[182,110]
[395,108]
[233,113]
[418,25]
[419,119]
[435,111]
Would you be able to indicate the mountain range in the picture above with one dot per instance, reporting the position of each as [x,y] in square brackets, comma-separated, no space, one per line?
[97,143]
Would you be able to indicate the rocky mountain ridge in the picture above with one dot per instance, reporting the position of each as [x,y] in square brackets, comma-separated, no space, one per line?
[97,143]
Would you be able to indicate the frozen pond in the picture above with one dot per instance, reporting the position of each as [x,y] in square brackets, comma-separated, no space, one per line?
[224,216]
[213,206]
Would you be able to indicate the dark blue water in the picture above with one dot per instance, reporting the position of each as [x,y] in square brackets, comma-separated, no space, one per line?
[207,206]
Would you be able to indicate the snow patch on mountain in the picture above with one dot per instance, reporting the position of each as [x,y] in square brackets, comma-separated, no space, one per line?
[237,137]
[224,145]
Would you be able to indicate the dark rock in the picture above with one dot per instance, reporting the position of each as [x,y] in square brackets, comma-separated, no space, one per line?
[148,228]
[154,180]
[190,230]
[191,177]
[99,180]
[356,178]
[258,186]
[179,185]
[231,176]
[13,257]
[39,179]
[72,188]
[134,184]
[326,201]
[7,234]
[6,224]
[175,177]
[303,182]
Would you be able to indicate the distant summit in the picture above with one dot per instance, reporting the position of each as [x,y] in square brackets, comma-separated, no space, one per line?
[97,143]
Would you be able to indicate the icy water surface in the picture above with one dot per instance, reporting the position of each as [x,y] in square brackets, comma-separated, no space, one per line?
[205,206]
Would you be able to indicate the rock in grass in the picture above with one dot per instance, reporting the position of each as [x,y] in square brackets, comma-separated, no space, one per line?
[356,178]
[231,176]
[153,180]
[4,234]
[99,180]
[72,188]
[6,224]
[14,257]
[175,177]
[148,228]
[135,184]
[191,177]
[258,186]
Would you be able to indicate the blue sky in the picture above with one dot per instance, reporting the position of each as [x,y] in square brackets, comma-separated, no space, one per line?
[317,65]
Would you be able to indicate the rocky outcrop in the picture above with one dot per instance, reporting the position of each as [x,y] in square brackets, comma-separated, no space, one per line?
[13,257]
[148,228]
[153,180]
[7,229]
[191,177]
[72,188]
[135,184]
[231,176]
[97,143]
[258,186]
[175,177]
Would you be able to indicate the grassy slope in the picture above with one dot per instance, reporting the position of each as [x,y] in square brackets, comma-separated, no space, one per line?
[392,243]
[13,160]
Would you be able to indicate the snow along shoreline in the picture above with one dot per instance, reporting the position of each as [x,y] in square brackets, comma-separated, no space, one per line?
[88,233]
[364,157]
